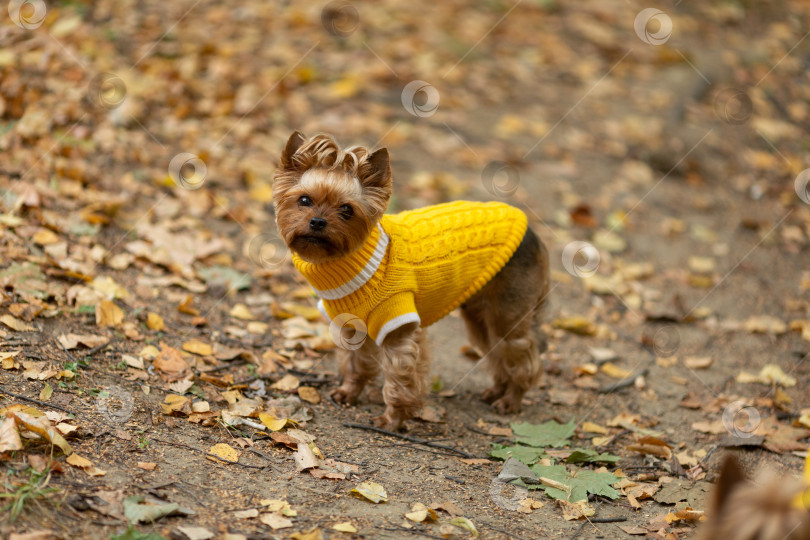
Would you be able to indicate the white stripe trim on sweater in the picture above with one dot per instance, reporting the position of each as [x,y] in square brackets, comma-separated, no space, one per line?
[396,322]
[322,309]
[363,276]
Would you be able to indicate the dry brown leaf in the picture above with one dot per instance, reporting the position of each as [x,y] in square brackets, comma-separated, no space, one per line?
[309,394]
[108,314]
[16,324]
[154,321]
[197,347]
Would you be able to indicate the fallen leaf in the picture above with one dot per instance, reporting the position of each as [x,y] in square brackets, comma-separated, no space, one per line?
[698,362]
[309,394]
[154,321]
[224,452]
[16,324]
[241,311]
[465,524]
[9,436]
[41,427]
[287,383]
[72,341]
[275,521]
[198,347]
[108,314]
[345,526]
[372,491]
[305,458]
[136,512]
[769,374]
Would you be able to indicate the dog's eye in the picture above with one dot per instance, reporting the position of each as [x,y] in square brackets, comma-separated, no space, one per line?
[346,211]
[303,200]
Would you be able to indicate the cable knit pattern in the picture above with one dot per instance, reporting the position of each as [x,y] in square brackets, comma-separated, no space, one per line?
[433,259]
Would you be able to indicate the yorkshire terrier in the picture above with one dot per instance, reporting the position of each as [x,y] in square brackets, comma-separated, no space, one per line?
[383,278]
[772,508]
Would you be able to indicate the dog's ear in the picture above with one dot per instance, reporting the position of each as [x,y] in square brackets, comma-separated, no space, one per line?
[293,144]
[378,172]
[731,476]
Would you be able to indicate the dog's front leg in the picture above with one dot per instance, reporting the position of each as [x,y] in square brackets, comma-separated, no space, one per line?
[405,367]
[357,368]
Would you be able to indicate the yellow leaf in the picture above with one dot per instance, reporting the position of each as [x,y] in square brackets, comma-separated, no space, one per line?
[108,314]
[345,87]
[9,436]
[16,324]
[612,370]
[45,237]
[109,288]
[698,362]
[241,311]
[149,352]
[590,427]
[576,325]
[308,312]
[309,394]
[286,384]
[465,523]
[198,347]
[154,321]
[46,393]
[346,527]
[275,521]
[272,422]
[174,403]
[41,427]
[372,491]
[223,452]
[78,461]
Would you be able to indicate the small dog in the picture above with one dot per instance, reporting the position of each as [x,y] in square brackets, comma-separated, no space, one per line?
[773,508]
[393,275]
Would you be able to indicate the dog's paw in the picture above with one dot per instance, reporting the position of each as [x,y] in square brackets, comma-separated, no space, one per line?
[507,404]
[346,394]
[389,422]
[491,394]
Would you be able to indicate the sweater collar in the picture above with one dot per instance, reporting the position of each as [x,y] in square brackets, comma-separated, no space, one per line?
[341,277]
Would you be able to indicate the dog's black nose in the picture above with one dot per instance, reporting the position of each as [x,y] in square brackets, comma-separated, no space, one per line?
[317,224]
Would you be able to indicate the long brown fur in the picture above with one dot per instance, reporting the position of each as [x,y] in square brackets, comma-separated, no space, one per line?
[500,319]
[760,510]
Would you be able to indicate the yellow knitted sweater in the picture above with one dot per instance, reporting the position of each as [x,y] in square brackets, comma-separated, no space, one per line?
[417,266]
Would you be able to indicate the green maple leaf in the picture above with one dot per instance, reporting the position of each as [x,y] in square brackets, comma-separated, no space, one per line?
[587,455]
[551,433]
[579,483]
[525,454]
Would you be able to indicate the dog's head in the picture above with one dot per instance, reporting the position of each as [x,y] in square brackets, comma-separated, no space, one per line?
[328,200]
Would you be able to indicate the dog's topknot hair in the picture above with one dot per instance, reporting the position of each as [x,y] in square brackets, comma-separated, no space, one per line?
[322,151]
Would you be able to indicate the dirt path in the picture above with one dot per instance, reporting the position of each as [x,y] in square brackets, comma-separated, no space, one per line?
[674,155]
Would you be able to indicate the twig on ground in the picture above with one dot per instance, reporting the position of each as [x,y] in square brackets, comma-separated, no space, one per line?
[617,519]
[624,383]
[408,438]
[36,401]
[206,454]
[455,479]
